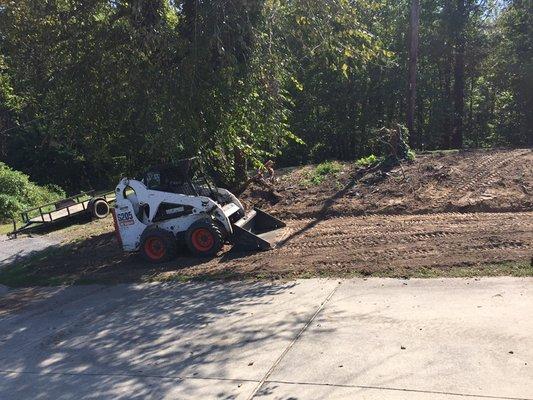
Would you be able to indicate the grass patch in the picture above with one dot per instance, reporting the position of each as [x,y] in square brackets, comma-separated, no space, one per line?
[26,274]
[440,152]
[367,161]
[6,228]
[170,277]
[508,268]
[372,159]
[321,172]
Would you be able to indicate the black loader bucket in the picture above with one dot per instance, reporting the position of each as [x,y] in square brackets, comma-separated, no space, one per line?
[257,230]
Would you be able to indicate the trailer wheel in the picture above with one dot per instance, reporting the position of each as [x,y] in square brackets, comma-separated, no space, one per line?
[204,238]
[99,208]
[157,245]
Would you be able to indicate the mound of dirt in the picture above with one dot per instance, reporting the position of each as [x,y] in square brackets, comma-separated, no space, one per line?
[467,181]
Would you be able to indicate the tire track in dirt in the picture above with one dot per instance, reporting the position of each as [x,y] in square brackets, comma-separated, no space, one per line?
[485,173]
[374,243]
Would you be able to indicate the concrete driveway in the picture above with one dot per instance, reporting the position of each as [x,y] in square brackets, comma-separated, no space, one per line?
[309,339]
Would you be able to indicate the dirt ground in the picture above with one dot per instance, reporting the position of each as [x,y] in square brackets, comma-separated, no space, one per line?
[469,181]
[468,213]
[381,245]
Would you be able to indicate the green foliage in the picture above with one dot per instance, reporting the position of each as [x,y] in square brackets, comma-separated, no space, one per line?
[9,207]
[322,171]
[392,146]
[18,192]
[328,167]
[367,161]
[503,94]
[86,83]
[148,81]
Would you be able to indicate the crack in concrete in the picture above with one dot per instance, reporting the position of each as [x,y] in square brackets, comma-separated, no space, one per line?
[238,380]
[399,390]
[292,343]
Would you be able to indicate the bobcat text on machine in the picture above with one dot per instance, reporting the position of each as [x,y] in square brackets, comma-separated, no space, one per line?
[176,204]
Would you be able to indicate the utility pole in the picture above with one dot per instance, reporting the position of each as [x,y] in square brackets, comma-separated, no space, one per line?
[414,22]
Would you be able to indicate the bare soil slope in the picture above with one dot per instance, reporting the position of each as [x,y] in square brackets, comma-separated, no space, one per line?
[469,181]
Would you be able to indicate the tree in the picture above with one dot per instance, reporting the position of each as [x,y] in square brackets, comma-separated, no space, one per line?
[92,89]
[511,74]
[414,21]
[459,72]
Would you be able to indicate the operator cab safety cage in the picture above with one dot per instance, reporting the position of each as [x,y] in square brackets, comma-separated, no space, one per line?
[185,176]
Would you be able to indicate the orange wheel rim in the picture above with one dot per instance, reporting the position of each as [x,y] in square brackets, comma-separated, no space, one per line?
[203,239]
[154,248]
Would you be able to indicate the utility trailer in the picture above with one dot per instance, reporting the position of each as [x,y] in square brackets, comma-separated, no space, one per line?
[95,203]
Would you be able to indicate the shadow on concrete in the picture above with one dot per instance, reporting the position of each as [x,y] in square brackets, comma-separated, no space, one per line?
[114,342]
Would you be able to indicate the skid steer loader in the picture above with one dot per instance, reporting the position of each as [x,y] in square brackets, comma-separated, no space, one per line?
[178,204]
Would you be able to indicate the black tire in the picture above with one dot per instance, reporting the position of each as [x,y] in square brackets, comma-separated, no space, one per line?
[157,245]
[204,238]
[99,208]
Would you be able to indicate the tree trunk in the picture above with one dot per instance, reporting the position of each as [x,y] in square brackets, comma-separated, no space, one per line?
[413,55]
[4,127]
[470,123]
[448,116]
[189,14]
[421,139]
[239,164]
[459,76]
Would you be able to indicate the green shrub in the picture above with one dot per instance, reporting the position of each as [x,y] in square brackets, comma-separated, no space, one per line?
[366,161]
[410,155]
[9,206]
[328,167]
[17,192]
[323,170]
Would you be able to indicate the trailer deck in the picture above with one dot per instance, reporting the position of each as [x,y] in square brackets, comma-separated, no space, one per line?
[59,210]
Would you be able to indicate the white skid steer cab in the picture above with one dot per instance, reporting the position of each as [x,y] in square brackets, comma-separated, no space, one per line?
[178,204]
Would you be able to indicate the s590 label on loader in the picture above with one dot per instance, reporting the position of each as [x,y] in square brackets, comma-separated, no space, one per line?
[176,204]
